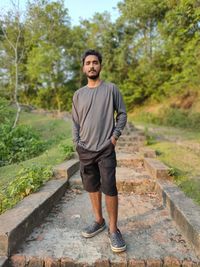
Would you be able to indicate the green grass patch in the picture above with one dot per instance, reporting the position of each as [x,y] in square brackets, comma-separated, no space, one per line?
[171,117]
[185,167]
[183,162]
[57,134]
[50,129]
[155,129]
[28,180]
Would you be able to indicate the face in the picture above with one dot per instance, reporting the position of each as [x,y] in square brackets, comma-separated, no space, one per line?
[92,67]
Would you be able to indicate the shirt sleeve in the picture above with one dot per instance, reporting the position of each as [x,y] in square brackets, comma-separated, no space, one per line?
[121,117]
[75,121]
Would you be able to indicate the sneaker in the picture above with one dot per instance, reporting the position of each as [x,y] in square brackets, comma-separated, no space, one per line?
[117,242]
[93,229]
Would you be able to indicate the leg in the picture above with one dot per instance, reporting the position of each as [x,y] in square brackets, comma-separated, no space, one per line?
[99,224]
[95,198]
[112,209]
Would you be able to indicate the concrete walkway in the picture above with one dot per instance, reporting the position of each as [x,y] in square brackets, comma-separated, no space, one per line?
[152,237]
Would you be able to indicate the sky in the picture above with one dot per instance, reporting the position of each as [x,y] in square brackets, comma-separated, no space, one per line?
[78,8]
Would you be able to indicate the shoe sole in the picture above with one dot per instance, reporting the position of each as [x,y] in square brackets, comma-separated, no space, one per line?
[114,249]
[86,235]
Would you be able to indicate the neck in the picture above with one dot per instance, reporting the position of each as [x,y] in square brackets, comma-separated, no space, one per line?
[93,83]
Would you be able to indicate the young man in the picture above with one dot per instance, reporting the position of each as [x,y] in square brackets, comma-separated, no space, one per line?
[95,134]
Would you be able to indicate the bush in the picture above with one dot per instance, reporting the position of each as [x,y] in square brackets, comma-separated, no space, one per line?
[67,150]
[7,113]
[28,180]
[19,144]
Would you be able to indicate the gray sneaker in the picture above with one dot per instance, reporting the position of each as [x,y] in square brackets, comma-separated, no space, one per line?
[93,229]
[117,242]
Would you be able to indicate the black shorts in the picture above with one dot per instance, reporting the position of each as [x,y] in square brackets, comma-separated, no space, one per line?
[98,169]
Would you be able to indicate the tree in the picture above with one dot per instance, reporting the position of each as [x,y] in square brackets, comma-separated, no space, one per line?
[48,31]
[12,47]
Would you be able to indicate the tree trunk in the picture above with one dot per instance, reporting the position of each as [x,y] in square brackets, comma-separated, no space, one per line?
[16,90]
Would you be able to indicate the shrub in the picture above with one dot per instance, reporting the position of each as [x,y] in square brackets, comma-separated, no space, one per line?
[19,144]
[67,150]
[28,180]
[7,113]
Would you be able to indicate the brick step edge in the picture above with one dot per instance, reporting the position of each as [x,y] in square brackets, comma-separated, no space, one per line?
[156,168]
[18,222]
[29,261]
[66,169]
[183,210]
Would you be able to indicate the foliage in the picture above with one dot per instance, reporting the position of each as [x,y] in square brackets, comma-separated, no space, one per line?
[150,139]
[151,51]
[67,150]
[173,117]
[6,111]
[28,180]
[18,144]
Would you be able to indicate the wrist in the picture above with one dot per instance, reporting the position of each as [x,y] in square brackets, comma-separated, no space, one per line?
[115,137]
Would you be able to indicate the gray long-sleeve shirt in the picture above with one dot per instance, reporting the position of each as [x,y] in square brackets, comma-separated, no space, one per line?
[93,111]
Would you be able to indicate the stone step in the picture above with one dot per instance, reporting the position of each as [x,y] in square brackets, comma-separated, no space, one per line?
[130,143]
[128,180]
[19,221]
[130,149]
[132,138]
[156,168]
[147,152]
[19,260]
[66,169]
[150,234]
[131,160]
[183,211]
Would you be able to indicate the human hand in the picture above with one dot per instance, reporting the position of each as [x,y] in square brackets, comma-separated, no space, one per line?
[113,140]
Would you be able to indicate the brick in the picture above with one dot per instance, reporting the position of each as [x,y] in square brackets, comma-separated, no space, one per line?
[18,261]
[67,262]
[35,262]
[82,264]
[49,262]
[102,263]
[121,263]
[171,262]
[154,263]
[136,263]
[188,263]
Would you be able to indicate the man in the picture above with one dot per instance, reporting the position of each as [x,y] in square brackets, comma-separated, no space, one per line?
[95,134]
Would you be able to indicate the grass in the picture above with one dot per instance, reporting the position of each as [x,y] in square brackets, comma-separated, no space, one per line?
[184,162]
[185,167]
[56,132]
[50,129]
[184,134]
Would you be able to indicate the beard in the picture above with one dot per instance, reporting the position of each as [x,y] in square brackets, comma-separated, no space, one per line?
[93,76]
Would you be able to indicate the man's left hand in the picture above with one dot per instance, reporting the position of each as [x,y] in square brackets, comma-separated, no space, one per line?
[113,140]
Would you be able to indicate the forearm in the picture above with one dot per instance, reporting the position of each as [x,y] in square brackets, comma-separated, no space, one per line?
[121,120]
[76,126]
[75,133]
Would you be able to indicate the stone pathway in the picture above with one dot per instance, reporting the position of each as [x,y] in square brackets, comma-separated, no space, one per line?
[151,235]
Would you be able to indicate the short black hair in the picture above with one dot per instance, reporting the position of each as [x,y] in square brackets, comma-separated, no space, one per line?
[93,53]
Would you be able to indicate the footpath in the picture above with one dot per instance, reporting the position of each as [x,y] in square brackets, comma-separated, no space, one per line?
[160,225]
